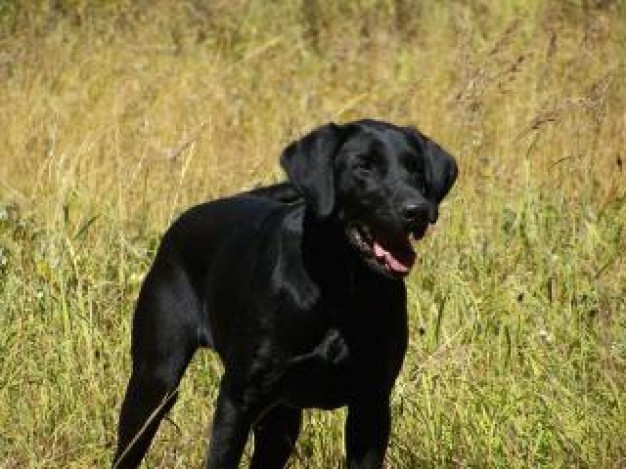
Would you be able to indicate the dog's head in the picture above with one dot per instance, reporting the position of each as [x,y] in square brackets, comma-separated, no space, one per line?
[382,182]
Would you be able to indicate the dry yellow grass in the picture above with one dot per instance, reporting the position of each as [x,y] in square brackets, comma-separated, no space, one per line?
[117,115]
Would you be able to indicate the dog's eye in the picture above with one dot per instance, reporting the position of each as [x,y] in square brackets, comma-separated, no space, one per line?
[418,174]
[366,163]
[412,165]
[418,178]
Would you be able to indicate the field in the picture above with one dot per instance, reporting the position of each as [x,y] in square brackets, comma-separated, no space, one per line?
[117,115]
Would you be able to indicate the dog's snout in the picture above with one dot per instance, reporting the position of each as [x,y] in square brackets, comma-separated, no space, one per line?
[414,211]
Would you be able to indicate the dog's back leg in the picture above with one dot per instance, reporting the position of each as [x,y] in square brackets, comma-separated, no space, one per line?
[165,337]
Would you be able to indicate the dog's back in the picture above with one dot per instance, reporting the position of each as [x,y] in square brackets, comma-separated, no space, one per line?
[225,250]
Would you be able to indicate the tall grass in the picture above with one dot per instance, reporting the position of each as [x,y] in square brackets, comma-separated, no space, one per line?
[117,115]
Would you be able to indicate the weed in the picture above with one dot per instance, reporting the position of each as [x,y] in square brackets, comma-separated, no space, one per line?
[118,115]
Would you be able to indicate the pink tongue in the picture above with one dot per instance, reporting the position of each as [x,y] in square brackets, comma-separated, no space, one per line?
[400,265]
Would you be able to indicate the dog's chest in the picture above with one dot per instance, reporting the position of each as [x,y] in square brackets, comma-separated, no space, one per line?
[320,378]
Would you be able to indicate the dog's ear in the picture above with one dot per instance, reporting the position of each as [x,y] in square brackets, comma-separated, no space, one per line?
[308,163]
[441,170]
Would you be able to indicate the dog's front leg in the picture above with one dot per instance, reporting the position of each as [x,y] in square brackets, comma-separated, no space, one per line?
[231,425]
[367,433]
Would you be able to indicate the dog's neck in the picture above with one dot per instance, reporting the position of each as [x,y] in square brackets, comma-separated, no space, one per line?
[349,287]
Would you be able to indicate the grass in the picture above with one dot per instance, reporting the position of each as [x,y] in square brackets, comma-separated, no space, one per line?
[118,115]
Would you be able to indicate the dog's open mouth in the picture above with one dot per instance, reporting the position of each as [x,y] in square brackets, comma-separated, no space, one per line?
[392,254]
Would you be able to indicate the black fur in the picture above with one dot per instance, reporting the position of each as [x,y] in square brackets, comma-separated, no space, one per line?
[299,289]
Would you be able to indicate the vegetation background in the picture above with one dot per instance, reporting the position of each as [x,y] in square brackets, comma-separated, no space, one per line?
[116,115]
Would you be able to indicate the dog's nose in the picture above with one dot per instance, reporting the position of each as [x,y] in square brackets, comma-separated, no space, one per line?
[414,211]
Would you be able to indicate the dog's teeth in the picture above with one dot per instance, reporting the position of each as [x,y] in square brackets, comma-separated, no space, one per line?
[356,235]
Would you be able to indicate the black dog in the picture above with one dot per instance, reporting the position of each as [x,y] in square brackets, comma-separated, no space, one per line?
[299,288]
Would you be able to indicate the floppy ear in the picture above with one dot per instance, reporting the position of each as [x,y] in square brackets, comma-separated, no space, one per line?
[308,164]
[441,170]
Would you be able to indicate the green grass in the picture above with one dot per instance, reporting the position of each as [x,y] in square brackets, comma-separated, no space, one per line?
[118,115]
